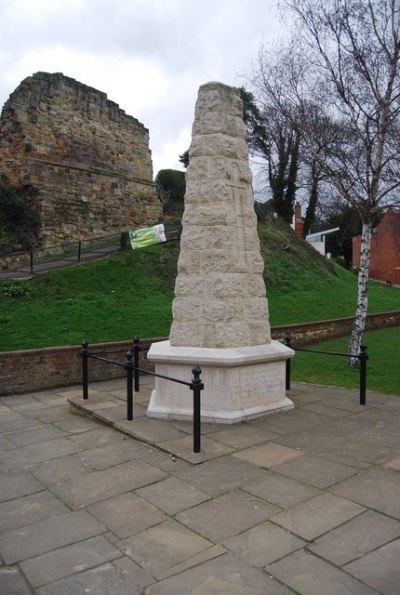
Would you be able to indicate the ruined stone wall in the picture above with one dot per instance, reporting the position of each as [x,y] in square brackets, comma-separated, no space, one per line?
[81,159]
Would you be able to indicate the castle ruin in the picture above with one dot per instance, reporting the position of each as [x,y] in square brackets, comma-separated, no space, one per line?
[82,161]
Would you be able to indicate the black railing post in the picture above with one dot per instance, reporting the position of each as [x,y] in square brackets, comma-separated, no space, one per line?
[129,386]
[79,250]
[31,263]
[287,342]
[85,377]
[136,351]
[196,386]
[363,357]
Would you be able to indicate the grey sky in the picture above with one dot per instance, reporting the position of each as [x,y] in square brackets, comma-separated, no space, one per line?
[149,56]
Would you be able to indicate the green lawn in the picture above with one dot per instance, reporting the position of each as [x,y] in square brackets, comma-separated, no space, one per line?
[108,300]
[131,294]
[383,366]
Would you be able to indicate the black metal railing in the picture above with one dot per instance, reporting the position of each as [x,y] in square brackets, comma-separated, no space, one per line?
[133,372]
[362,357]
[74,251]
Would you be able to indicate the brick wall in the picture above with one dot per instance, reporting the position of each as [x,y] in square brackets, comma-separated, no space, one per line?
[41,369]
[385,249]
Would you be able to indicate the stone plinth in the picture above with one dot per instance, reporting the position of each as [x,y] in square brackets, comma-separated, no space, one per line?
[239,383]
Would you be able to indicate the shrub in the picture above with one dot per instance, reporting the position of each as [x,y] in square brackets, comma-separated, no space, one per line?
[18,218]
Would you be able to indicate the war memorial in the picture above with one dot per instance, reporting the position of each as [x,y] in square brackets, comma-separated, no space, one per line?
[220,309]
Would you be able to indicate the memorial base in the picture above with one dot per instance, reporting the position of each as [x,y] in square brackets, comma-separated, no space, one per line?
[239,383]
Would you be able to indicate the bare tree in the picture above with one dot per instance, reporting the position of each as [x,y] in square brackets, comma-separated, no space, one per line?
[344,59]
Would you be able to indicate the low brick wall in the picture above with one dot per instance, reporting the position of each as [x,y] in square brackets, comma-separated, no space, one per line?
[40,369]
[313,332]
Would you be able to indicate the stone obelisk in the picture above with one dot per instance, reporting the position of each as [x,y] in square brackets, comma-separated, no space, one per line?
[220,309]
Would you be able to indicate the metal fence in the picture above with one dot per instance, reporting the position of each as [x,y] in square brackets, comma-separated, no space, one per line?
[71,252]
[62,254]
[362,357]
[133,381]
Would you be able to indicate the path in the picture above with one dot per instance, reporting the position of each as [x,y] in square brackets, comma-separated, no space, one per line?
[305,501]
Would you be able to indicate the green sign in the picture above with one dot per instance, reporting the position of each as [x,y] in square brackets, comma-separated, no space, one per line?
[147,236]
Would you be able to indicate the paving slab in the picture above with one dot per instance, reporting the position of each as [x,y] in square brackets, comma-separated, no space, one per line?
[323,408]
[244,435]
[344,427]
[28,437]
[316,521]
[357,451]
[210,449]
[12,582]
[268,455]
[28,404]
[379,569]
[48,534]
[108,455]
[59,470]
[100,436]
[227,515]
[102,580]
[29,509]
[316,516]
[49,397]
[76,424]
[308,575]
[14,484]
[52,566]
[126,514]
[356,538]
[382,417]
[312,441]
[282,491]
[263,544]
[291,421]
[303,393]
[224,575]
[172,495]
[393,464]
[162,460]
[375,488]
[218,476]
[37,453]
[134,573]
[152,430]
[53,414]
[5,444]
[15,421]
[315,470]
[159,548]
[384,433]
[100,485]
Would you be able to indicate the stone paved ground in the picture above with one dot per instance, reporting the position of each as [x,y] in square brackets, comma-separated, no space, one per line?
[305,501]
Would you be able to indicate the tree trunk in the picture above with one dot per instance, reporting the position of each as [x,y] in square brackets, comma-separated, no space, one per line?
[362,296]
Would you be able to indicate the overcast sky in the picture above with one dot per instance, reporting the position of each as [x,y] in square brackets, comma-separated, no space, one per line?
[149,56]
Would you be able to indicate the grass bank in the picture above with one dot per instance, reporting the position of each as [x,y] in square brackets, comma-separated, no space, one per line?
[131,293]
[383,370]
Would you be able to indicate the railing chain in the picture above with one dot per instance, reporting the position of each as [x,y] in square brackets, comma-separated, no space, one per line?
[132,368]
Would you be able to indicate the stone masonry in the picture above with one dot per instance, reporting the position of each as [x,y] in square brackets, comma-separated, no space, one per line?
[220,309]
[84,162]
[220,296]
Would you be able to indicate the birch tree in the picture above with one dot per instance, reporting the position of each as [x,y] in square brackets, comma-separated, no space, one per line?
[344,58]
